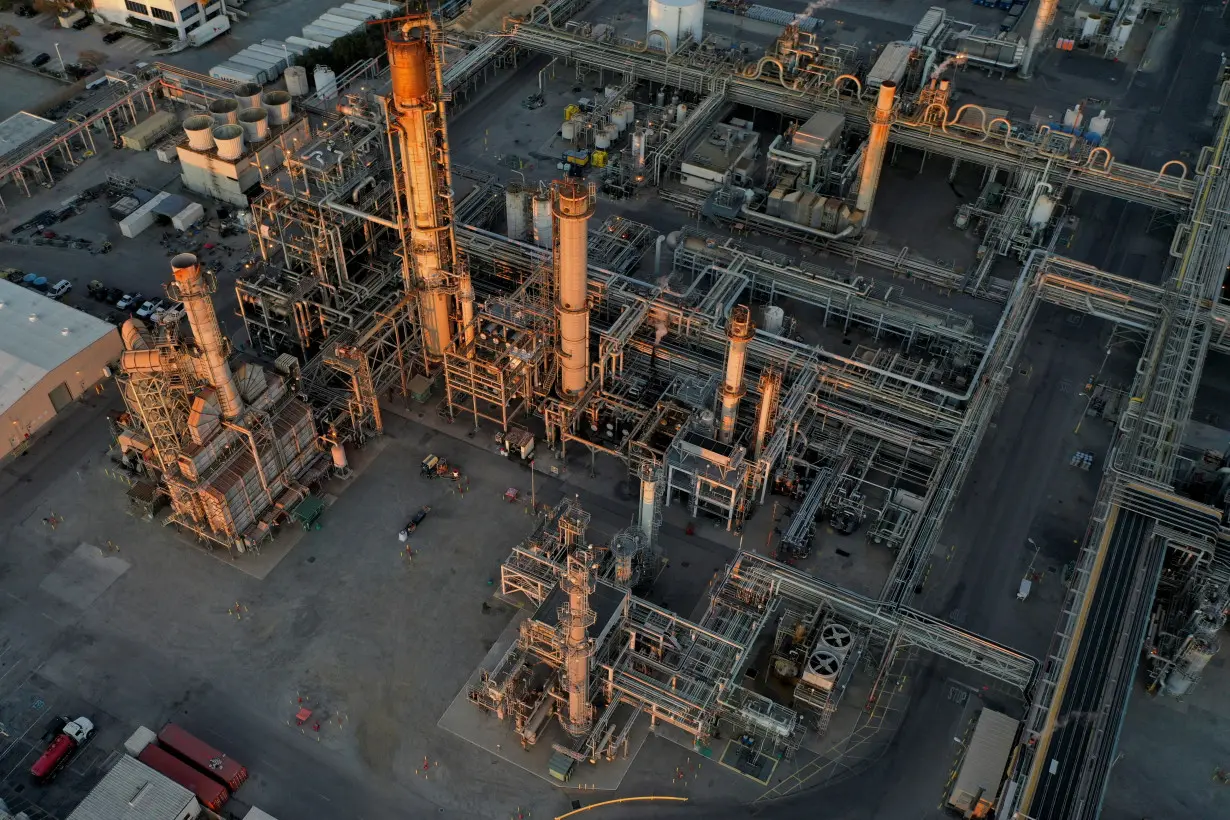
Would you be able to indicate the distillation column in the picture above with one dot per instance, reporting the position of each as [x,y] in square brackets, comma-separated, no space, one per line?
[770,383]
[576,619]
[1042,21]
[423,138]
[572,207]
[877,145]
[739,332]
[189,286]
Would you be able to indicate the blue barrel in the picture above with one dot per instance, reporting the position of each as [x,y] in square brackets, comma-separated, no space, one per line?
[29,278]
[41,283]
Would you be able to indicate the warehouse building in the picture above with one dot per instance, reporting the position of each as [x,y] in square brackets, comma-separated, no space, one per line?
[50,354]
[134,791]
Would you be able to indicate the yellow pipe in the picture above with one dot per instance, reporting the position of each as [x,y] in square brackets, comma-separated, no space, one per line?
[1043,745]
[621,800]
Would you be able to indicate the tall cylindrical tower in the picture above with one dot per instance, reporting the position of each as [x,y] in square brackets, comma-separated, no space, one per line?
[739,332]
[770,384]
[877,144]
[423,137]
[572,207]
[576,618]
[1042,21]
[190,286]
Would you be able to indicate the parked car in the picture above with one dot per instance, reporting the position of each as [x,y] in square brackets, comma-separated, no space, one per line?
[147,309]
[129,300]
[84,22]
[42,58]
[114,295]
[60,289]
[113,37]
[25,11]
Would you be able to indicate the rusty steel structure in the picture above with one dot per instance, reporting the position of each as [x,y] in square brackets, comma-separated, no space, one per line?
[230,445]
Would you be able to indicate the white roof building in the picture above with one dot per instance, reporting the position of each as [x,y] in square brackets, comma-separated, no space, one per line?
[50,354]
[134,791]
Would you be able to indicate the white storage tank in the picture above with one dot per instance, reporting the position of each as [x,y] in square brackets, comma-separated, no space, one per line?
[681,112]
[224,111]
[1099,125]
[515,210]
[675,19]
[602,141]
[542,220]
[1092,23]
[277,103]
[639,140]
[255,124]
[619,118]
[326,82]
[629,108]
[774,318]
[1043,209]
[612,132]
[569,130]
[199,130]
[229,139]
[296,81]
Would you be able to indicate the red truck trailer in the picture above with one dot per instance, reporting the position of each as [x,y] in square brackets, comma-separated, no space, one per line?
[210,792]
[200,754]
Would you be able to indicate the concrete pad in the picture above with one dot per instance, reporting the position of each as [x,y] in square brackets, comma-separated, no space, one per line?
[83,576]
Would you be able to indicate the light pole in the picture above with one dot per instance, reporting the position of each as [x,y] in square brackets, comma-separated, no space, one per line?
[61,58]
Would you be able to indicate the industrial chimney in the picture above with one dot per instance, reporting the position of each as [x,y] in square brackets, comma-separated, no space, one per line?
[877,144]
[572,207]
[190,287]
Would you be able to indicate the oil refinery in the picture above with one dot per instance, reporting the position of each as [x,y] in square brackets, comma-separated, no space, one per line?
[686,262]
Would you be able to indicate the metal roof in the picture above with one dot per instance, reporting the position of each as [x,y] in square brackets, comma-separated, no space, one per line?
[982,772]
[37,335]
[19,129]
[134,791]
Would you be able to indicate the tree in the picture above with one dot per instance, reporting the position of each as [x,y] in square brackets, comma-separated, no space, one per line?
[59,7]
[93,59]
[7,46]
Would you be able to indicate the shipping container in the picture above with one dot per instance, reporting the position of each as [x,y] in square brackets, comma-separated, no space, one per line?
[982,771]
[235,73]
[147,132]
[307,44]
[346,24]
[212,794]
[321,35]
[203,756]
[385,9]
[358,13]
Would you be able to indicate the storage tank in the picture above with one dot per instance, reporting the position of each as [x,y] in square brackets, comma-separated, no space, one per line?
[1092,23]
[675,19]
[296,81]
[542,220]
[198,129]
[515,210]
[224,111]
[602,141]
[326,82]
[569,130]
[255,124]
[248,95]
[277,103]
[612,132]
[774,318]
[681,112]
[229,139]
[629,108]
[619,118]
[1099,125]
[639,140]
[1042,211]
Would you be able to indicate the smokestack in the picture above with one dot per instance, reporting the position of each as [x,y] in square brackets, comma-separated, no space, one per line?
[770,383]
[1042,21]
[572,207]
[578,582]
[420,128]
[877,144]
[191,288]
[739,332]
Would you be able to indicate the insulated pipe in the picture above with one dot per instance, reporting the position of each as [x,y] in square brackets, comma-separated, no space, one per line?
[793,160]
[739,332]
[420,125]
[572,206]
[1042,21]
[657,255]
[877,144]
[193,291]
[770,383]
